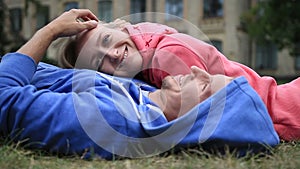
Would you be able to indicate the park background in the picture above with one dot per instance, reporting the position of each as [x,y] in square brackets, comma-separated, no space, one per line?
[263,34]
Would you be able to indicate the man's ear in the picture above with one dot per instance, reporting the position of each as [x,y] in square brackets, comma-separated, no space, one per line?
[199,73]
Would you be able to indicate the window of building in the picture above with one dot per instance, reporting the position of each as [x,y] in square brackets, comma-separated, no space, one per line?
[105,10]
[42,16]
[153,5]
[174,8]
[217,44]
[213,8]
[137,9]
[266,56]
[71,5]
[15,15]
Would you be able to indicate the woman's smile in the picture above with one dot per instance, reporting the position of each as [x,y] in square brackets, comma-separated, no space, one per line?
[123,59]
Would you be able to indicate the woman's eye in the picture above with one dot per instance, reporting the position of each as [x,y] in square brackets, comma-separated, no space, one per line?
[105,39]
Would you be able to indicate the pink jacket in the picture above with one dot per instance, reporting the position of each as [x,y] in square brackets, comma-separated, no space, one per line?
[167,52]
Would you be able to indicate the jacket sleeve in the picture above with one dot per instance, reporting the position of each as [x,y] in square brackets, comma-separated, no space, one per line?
[40,118]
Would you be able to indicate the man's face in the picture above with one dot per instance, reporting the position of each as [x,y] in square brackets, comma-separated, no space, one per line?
[181,93]
[109,50]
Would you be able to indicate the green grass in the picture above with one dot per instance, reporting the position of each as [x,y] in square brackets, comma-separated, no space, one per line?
[286,155]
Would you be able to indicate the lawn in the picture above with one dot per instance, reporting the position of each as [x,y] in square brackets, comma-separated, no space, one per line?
[286,155]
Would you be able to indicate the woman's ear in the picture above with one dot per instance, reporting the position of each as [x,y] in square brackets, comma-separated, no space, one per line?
[199,73]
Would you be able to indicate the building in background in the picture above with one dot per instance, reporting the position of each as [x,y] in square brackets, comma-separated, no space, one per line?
[218,21]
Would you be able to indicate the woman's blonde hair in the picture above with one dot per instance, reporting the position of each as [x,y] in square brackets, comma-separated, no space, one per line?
[68,55]
[69,51]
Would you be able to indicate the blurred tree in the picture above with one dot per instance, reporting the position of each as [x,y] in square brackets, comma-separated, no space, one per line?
[275,21]
[3,36]
[11,41]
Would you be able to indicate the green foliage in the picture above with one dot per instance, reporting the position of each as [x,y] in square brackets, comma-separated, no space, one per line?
[3,37]
[15,40]
[275,21]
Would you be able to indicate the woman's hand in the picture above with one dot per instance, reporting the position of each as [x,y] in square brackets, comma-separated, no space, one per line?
[72,22]
[67,24]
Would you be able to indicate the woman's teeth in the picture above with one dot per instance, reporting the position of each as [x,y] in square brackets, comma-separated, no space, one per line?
[124,56]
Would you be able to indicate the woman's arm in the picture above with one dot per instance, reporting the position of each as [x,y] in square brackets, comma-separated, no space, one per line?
[65,25]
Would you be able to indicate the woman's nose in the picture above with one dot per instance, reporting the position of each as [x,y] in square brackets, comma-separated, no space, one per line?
[114,53]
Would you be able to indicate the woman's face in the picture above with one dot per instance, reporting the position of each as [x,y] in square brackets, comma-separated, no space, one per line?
[109,50]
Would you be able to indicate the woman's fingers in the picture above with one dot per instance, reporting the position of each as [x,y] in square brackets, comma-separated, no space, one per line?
[89,24]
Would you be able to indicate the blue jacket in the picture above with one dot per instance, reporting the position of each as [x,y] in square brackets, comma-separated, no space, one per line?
[69,111]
